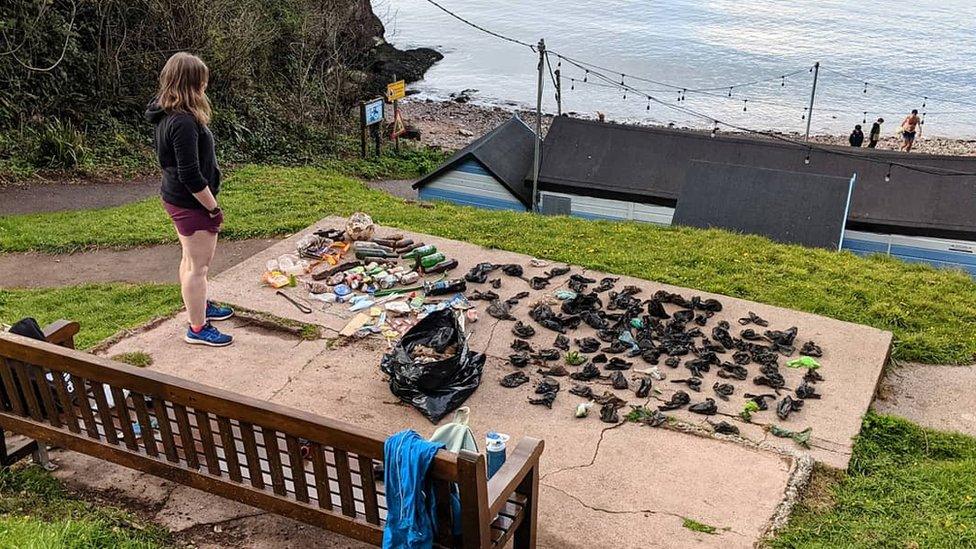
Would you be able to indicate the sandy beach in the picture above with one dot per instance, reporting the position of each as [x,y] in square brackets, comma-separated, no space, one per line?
[452,125]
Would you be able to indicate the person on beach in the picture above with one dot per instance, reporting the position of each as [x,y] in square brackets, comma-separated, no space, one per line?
[857,136]
[875,134]
[910,129]
[191,180]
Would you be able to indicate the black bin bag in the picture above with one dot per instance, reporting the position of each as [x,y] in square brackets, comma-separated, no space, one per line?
[435,388]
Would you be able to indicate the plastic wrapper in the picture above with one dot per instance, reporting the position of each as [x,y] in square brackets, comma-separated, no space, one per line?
[436,383]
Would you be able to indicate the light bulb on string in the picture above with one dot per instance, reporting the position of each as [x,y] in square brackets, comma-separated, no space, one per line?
[888,175]
[745,105]
[865,119]
[622,79]
[807,159]
[648,102]
[585,76]
[924,100]
[865,88]
[730,91]
[804,117]
[783,83]
[572,86]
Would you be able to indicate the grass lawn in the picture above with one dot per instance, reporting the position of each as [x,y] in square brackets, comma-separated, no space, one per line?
[906,487]
[102,309]
[35,512]
[931,312]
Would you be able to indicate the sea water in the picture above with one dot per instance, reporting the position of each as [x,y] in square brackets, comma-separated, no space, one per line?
[915,48]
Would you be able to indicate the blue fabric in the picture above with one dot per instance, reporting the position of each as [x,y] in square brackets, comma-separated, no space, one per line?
[409,499]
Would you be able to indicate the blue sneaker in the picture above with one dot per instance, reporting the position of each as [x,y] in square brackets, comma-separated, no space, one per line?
[208,336]
[218,312]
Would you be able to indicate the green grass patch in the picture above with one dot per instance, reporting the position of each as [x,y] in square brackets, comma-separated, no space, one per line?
[102,309]
[36,512]
[138,359]
[907,487]
[932,312]
[696,526]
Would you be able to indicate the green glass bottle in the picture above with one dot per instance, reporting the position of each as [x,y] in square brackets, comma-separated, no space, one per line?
[420,252]
[431,260]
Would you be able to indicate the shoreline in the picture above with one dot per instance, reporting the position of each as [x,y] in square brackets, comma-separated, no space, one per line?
[451,125]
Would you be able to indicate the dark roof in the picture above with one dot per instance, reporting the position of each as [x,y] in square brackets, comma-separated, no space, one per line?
[506,152]
[650,165]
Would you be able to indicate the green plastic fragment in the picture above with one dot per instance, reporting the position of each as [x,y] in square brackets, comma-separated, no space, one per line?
[807,362]
[800,437]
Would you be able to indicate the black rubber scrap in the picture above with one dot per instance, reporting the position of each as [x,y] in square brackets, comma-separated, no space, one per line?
[760,400]
[693,383]
[523,330]
[581,390]
[707,408]
[805,391]
[787,406]
[479,273]
[753,318]
[519,360]
[478,295]
[643,388]
[588,344]
[514,379]
[619,381]
[546,354]
[545,400]
[500,310]
[547,385]
[521,345]
[724,428]
[561,342]
[589,372]
[617,363]
[608,414]
[723,390]
[678,399]
[811,349]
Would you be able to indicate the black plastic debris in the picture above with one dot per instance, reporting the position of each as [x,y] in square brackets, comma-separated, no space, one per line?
[434,386]
[589,372]
[557,271]
[561,342]
[582,303]
[479,273]
[753,318]
[546,354]
[787,406]
[580,390]
[683,316]
[811,349]
[478,295]
[643,388]
[519,360]
[652,418]
[723,390]
[750,335]
[741,358]
[513,301]
[710,305]
[723,336]
[693,383]
[782,337]
[495,283]
[521,346]
[724,428]
[773,380]
[609,398]
[733,371]
[599,359]
[538,282]
[500,310]
[672,362]
[514,379]
[707,408]
[805,391]
[522,330]
[588,344]
[555,371]
[606,283]
[812,376]
[760,400]
[619,381]
[608,414]
[678,399]
[545,316]
[616,347]
[513,269]
[547,385]
[545,400]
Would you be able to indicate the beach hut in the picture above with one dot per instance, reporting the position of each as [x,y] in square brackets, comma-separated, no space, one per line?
[488,173]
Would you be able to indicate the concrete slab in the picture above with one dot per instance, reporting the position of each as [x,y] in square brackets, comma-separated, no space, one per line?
[938,397]
[88,474]
[187,507]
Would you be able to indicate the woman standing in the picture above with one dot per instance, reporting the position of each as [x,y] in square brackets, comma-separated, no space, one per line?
[191,181]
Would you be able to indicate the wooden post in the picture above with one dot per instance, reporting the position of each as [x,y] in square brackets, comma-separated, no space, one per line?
[538,127]
[813,95]
[362,128]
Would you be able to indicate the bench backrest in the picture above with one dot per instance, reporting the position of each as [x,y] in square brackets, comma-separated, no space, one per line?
[283,460]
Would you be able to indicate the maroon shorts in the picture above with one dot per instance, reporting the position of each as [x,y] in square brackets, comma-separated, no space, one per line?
[191,220]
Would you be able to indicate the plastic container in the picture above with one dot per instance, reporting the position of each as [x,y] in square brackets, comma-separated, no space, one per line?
[495,451]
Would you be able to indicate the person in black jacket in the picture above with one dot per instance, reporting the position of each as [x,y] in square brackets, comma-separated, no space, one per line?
[191,182]
[857,136]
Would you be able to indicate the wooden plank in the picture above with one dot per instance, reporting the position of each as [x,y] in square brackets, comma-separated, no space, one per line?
[85,406]
[186,436]
[146,431]
[445,515]
[64,397]
[297,465]
[125,419]
[368,479]
[207,441]
[108,426]
[47,398]
[270,437]
[473,488]
[345,482]
[24,382]
[230,448]
[165,430]
[15,402]
[251,452]
[321,473]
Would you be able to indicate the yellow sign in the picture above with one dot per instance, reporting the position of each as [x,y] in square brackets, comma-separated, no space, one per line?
[399,128]
[396,90]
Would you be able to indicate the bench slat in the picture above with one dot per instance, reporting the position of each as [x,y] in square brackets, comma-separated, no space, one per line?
[345,482]
[251,453]
[125,420]
[104,412]
[47,398]
[186,436]
[85,406]
[297,465]
[207,441]
[368,479]
[13,397]
[23,380]
[64,397]
[146,430]
[274,460]
[321,472]
[230,448]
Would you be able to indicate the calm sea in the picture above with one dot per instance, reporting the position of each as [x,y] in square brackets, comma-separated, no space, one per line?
[916,49]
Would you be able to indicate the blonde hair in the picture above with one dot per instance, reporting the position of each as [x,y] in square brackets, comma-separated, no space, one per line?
[182,86]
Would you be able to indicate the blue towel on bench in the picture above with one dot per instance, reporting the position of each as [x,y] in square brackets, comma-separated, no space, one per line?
[409,498]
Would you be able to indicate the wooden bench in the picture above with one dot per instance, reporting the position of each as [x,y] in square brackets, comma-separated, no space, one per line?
[306,467]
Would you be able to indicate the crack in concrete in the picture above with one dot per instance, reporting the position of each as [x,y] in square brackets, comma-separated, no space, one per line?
[300,370]
[596,452]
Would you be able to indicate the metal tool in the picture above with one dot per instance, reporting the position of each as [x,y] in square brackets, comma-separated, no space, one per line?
[301,307]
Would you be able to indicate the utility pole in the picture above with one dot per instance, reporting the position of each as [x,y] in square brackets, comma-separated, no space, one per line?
[538,126]
[559,93]
[813,95]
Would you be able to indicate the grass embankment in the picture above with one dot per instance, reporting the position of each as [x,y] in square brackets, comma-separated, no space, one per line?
[931,312]
[102,309]
[35,512]
[906,487]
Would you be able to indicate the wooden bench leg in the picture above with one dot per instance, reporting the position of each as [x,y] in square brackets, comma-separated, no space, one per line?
[525,534]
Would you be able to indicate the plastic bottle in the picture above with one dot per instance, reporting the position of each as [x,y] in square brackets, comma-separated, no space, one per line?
[495,451]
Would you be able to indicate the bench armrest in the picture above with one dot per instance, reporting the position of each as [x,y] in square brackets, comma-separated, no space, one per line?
[523,460]
[62,332]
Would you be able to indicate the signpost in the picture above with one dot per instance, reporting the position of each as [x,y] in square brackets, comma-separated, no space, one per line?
[370,115]
[395,91]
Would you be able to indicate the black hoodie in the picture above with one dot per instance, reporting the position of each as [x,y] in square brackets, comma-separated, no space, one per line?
[185,149]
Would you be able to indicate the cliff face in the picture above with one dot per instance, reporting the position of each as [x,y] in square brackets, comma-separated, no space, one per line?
[384,62]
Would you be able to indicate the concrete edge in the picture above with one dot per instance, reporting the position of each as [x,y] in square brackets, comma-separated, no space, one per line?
[104,345]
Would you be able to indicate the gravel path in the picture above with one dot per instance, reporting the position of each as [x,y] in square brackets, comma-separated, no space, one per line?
[34,197]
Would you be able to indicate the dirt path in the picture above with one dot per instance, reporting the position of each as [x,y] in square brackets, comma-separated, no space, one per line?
[396,187]
[938,397]
[149,264]
[58,196]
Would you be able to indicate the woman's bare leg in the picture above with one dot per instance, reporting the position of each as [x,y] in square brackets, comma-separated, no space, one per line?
[198,252]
